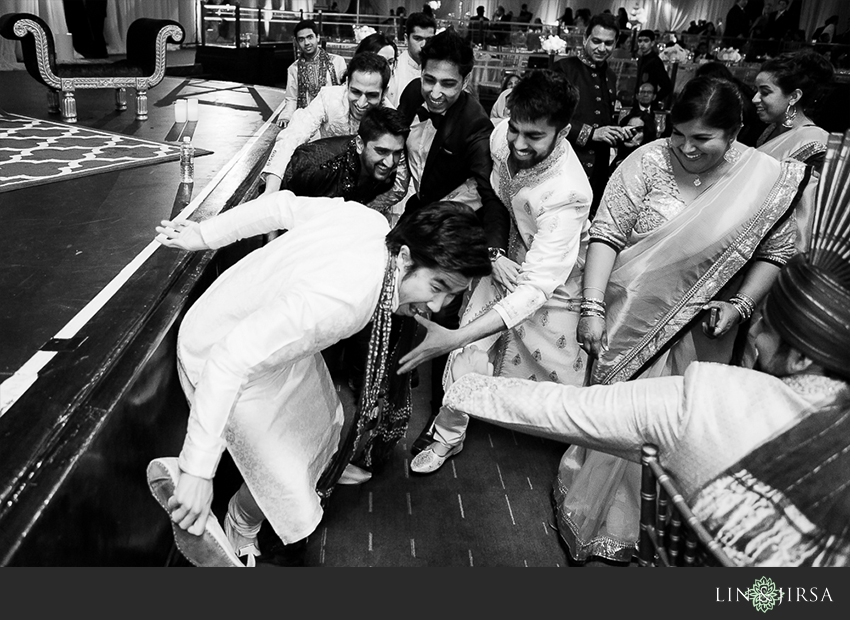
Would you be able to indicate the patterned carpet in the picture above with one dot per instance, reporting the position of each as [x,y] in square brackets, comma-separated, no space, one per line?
[488,506]
[34,152]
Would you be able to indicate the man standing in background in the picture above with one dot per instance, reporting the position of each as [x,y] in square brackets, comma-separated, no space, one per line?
[313,70]
[594,129]
[419,28]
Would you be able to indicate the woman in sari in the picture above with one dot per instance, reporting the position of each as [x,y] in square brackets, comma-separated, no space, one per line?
[693,223]
[789,88]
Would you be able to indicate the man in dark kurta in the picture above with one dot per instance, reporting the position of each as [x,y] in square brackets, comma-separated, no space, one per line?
[594,129]
[650,67]
[359,168]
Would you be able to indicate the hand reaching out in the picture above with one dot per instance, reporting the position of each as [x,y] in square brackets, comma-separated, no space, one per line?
[181,234]
[438,341]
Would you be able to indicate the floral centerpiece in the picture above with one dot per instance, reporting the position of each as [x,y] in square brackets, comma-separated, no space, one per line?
[553,44]
[730,55]
[361,32]
[674,53]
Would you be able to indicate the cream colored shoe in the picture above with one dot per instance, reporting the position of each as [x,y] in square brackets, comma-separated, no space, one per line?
[428,461]
[210,549]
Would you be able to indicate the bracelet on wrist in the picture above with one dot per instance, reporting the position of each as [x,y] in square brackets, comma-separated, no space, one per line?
[495,253]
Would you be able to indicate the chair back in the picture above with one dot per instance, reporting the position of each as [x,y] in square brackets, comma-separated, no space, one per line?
[666,521]
[143,42]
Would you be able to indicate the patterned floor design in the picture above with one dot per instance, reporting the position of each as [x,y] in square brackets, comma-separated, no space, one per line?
[488,506]
[33,151]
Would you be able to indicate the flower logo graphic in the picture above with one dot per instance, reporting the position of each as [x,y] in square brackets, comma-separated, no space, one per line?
[764,594]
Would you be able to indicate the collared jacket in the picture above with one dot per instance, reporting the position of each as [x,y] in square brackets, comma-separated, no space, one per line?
[460,150]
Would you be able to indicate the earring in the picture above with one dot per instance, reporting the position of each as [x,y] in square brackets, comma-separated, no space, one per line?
[790,115]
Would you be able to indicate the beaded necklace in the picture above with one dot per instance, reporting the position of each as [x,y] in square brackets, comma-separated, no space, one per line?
[384,407]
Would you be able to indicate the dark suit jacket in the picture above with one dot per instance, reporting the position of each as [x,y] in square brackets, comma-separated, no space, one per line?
[737,23]
[330,167]
[461,149]
[650,68]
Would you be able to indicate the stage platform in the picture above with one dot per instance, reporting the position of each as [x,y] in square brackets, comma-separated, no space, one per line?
[87,364]
[89,303]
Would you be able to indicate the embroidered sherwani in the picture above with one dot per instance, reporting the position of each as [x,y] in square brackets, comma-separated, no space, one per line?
[596,86]
[290,96]
[249,349]
[549,204]
[326,116]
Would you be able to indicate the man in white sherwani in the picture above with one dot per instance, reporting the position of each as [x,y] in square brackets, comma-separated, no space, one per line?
[525,314]
[250,364]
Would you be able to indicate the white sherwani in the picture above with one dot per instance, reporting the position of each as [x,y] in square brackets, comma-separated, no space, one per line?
[248,349]
[549,205]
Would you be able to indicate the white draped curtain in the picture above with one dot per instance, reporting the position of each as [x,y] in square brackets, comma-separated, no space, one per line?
[119,15]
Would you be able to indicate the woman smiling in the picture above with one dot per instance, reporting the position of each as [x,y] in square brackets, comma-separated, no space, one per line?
[694,223]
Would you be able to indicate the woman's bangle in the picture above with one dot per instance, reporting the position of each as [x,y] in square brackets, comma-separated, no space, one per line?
[593,288]
[744,305]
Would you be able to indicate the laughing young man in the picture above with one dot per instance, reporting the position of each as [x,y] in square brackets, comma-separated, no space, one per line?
[336,111]
[250,364]
[525,314]
[448,152]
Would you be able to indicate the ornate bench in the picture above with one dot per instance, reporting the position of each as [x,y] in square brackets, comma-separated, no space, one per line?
[143,68]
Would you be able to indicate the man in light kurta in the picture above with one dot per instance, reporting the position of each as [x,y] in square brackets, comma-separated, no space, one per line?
[314,70]
[525,315]
[336,111]
[249,354]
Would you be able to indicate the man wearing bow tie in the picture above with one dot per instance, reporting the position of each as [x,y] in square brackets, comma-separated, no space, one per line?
[448,153]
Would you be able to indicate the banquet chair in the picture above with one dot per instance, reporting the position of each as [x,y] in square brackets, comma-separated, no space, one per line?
[670,534]
[143,68]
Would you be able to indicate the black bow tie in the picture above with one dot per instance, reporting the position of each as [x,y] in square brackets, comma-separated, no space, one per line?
[425,114]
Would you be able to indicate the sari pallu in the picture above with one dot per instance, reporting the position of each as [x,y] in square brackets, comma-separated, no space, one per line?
[655,294]
[808,145]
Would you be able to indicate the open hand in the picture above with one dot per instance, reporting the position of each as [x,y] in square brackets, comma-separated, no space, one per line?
[190,504]
[438,341]
[181,234]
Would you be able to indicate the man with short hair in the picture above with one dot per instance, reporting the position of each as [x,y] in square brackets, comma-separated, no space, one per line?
[359,168]
[249,361]
[526,313]
[594,128]
[650,67]
[418,28]
[314,69]
[336,111]
[448,152]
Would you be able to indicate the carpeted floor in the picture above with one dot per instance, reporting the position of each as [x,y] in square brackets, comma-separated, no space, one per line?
[488,506]
[34,151]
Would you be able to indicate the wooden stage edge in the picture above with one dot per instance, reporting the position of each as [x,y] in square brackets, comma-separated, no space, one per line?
[76,443]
